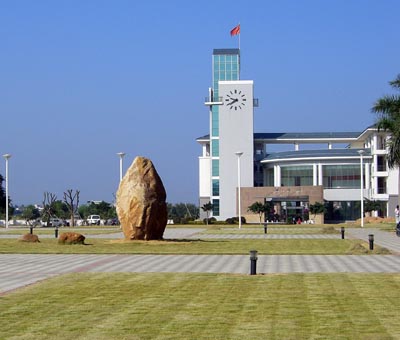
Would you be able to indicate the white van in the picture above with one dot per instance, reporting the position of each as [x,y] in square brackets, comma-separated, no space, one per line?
[93,220]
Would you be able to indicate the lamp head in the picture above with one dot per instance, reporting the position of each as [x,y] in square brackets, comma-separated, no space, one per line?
[7,155]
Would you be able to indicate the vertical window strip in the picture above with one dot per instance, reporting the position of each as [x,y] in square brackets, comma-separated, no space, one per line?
[215,147]
[215,167]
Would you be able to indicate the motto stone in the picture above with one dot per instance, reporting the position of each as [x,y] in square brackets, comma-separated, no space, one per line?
[141,202]
[29,238]
[71,238]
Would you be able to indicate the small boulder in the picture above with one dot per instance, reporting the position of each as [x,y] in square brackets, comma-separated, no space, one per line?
[71,238]
[29,238]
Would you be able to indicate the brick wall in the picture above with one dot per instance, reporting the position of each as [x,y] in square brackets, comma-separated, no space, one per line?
[251,195]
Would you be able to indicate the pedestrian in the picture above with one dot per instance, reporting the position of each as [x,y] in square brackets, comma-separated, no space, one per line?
[397,214]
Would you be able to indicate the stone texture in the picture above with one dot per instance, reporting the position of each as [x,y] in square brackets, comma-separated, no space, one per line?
[71,238]
[29,238]
[141,202]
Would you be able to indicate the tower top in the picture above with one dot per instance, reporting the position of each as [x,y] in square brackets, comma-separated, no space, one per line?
[219,51]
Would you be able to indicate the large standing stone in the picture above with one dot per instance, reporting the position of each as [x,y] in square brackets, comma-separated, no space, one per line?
[141,202]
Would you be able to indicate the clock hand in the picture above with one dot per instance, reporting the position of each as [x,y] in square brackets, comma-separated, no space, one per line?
[233,101]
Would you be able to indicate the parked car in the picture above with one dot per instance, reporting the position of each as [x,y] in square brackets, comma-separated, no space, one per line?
[53,222]
[93,220]
[112,221]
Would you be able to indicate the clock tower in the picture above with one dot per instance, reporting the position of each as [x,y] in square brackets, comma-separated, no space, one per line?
[230,103]
[235,135]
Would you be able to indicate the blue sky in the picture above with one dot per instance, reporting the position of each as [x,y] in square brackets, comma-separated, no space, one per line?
[83,80]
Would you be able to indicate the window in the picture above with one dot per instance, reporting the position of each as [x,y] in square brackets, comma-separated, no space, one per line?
[215,167]
[215,147]
[215,121]
[382,163]
[382,185]
[215,187]
[296,175]
[341,176]
[269,177]
[215,203]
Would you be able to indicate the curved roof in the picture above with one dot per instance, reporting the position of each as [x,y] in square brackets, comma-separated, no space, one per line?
[304,137]
[315,154]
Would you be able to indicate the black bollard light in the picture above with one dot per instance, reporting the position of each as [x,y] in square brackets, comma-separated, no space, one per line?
[342,231]
[265,228]
[31,230]
[56,232]
[371,241]
[253,262]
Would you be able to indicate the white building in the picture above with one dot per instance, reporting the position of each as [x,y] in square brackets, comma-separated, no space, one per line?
[293,179]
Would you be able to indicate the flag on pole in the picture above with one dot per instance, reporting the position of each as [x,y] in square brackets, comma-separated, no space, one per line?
[235,31]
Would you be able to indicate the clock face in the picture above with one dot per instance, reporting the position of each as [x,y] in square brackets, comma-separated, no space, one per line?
[235,100]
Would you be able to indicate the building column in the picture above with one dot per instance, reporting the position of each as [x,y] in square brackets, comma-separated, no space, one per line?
[367,175]
[315,174]
[374,143]
[277,176]
[320,175]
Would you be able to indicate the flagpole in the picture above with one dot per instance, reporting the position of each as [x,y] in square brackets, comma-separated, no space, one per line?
[239,37]
[239,57]
[239,51]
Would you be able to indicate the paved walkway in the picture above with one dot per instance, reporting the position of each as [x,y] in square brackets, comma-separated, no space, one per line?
[17,270]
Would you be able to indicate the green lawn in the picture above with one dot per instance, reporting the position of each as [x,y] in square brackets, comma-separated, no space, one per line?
[204,306]
[204,246]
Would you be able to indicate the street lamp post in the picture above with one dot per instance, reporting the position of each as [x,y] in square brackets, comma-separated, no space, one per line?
[121,155]
[7,157]
[361,152]
[238,154]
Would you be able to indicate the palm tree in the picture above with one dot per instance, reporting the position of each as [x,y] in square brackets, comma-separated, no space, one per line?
[207,208]
[259,208]
[317,208]
[387,109]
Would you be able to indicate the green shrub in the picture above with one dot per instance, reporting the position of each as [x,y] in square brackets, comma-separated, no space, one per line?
[211,220]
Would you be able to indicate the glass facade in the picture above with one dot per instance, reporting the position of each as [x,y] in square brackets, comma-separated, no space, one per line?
[214,122]
[341,211]
[215,148]
[215,168]
[341,176]
[269,178]
[215,207]
[225,66]
[215,187]
[296,175]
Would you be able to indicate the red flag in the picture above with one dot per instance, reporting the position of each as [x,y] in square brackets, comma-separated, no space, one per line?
[235,31]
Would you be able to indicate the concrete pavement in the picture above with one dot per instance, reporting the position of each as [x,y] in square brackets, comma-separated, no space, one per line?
[18,270]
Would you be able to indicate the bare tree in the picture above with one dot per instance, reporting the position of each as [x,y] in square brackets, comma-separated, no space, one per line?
[48,206]
[72,201]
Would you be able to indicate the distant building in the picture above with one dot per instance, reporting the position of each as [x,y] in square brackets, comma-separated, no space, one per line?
[291,180]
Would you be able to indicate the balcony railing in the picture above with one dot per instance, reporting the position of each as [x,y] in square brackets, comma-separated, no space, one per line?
[381,190]
[213,99]
[382,167]
[219,101]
